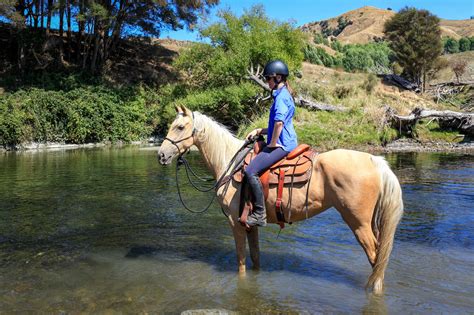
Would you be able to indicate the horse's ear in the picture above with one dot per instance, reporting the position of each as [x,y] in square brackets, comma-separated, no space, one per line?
[178,109]
[186,111]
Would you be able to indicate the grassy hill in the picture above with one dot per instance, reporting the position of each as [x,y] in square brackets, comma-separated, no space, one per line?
[366,24]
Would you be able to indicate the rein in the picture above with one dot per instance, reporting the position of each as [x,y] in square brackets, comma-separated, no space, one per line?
[182,161]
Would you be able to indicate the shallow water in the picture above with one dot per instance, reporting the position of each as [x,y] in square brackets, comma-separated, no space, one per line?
[102,230]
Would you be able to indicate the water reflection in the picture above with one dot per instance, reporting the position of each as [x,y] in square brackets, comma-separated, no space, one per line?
[102,230]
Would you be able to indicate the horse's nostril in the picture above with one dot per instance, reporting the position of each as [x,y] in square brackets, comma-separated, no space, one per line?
[162,155]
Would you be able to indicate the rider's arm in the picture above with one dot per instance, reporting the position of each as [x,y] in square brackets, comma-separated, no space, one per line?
[278,127]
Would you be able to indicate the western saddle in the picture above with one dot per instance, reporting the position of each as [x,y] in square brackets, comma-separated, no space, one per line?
[295,168]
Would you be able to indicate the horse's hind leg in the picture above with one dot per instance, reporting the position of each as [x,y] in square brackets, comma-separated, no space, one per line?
[252,237]
[361,227]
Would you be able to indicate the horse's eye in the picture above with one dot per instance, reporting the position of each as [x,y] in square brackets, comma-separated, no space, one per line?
[180,127]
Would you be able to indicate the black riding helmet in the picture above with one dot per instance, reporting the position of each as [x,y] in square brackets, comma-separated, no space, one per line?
[276,67]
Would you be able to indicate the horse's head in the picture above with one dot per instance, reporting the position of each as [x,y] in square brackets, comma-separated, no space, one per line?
[180,136]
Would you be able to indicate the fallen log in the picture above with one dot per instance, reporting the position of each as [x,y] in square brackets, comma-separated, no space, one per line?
[463,122]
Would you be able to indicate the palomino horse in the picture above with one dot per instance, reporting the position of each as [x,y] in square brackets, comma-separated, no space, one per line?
[359,185]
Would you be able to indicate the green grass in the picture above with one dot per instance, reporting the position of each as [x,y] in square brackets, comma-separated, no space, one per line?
[431,132]
[327,131]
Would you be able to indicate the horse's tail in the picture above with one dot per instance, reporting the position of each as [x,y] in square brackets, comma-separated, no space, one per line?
[387,215]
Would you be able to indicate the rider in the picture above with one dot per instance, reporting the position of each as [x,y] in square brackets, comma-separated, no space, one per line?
[281,137]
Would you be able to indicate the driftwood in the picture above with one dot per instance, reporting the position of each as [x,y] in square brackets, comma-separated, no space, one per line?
[397,80]
[299,99]
[447,90]
[463,122]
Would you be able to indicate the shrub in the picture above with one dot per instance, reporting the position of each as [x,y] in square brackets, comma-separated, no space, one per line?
[450,45]
[86,114]
[464,44]
[365,57]
[342,92]
[370,83]
[319,56]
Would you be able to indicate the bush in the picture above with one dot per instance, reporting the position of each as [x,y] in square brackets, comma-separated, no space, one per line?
[320,39]
[451,46]
[342,92]
[464,44]
[81,115]
[319,56]
[370,83]
[365,57]
[231,104]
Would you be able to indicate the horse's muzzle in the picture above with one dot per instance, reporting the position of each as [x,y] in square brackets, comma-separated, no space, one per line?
[163,159]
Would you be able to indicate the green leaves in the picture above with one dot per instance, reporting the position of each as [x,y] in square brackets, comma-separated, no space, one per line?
[214,73]
[85,114]
[415,38]
[235,44]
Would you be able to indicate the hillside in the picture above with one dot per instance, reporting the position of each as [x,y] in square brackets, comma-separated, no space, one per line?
[366,24]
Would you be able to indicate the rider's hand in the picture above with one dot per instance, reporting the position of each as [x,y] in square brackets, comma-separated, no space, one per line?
[253,133]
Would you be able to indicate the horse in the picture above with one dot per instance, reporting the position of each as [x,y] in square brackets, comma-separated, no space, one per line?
[360,186]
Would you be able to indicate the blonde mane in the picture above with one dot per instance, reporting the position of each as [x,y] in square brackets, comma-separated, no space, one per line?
[216,143]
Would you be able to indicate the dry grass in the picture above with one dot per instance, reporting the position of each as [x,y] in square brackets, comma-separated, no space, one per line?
[446,74]
[368,23]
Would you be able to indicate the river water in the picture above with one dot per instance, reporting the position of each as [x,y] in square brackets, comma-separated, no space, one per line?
[102,231]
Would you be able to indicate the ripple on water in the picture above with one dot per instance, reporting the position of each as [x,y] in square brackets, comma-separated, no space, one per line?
[97,231]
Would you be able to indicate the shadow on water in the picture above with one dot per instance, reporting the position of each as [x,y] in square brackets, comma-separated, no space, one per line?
[223,259]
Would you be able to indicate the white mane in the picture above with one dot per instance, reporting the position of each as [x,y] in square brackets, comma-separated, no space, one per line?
[216,143]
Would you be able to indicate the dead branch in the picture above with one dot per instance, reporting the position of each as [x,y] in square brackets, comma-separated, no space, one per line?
[464,122]
[255,75]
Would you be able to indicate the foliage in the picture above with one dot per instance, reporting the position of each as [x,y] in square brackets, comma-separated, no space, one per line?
[237,43]
[99,24]
[451,46]
[415,38]
[85,114]
[320,39]
[368,57]
[464,44]
[318,56]
[231,105]
[215,73]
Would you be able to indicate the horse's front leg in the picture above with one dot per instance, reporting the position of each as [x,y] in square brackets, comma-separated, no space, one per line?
[239,237]
[252,238]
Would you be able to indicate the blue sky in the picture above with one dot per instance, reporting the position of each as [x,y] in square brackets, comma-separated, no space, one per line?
[304,11]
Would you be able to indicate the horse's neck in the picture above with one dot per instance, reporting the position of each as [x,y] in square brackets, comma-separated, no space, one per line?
[216,144]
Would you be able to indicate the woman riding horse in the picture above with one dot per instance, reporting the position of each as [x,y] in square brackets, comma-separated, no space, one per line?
[281,138]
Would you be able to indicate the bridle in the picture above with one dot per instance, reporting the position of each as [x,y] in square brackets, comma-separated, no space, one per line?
[175,142]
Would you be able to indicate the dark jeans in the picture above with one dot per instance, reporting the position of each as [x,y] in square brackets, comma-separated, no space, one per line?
[264,160]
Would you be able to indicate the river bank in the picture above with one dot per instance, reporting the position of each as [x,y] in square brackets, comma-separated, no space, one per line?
[400,145]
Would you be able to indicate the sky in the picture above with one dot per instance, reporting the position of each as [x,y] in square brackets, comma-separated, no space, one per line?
[305,11]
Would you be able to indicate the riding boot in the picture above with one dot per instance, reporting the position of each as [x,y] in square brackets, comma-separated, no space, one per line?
[259,214]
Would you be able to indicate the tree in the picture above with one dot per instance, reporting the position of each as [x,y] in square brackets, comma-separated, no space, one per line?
[451,46]
[415,38]
[238,42]
[100,24]
[464,44]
